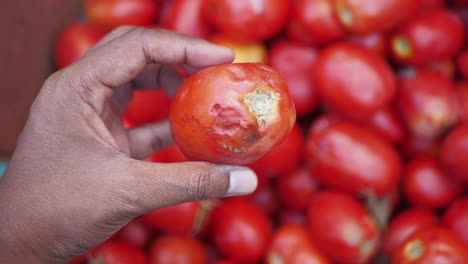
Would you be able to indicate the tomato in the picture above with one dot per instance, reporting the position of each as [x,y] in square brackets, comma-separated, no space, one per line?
[462,63]
[248,20]
[404,225]
[455,217]
[185,218]
[454,152]
[121,253]
[135,232]
[429,5]
[317,19]
[288,217]
[353,81]
[431,245]
[427,185]
[295,189]
[375,42]
[244,51]
[276,163]
[73,43]
[445,67]
[389,125]
[173,249]
[238,125]
[353,158]
[410,46]
[341,227]
[462,95]
[293,242]
[81,259]
[186,17]
[295,31]
[241,231]
[427,102]
[224,262]
[413,146]
[110,14]
[147,106]
[367,16]
[168,154]
[295,63]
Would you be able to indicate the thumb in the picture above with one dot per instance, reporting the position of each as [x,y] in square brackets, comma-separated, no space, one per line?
[166,184]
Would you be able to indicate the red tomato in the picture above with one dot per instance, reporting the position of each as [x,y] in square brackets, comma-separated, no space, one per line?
[147,106]
[413,146]
[462,95]
[418,40]
[73,42]
[353,158]
[241,231]
[287,217]
[462,63]
[295,63]
[171,249]
[109,14]
[427,185]
[454,153]
[388,124]
[428,103]
[431,245]
[445,67]
[224,262]
[307,254]
[276,163]
[169,154]
[135,233]
[342,228]
[295,189]
[353,81]
[429,5]
[367,16]
[375,42]
[121,253]
[317,19]
[185,218]
[404,225]
[81,259]
[238,125]
[295,31]
[244,51]
[186,17]
[455,217]
[248,20]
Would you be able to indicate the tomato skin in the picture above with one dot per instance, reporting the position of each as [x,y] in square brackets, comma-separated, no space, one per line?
[238,125]
[295,189]
[171,249]
[289,217]
[307,254]
[462,95]
[329,151]
[296,32]
[136,232]
[241,231]
[413,146]
[431,245]
[147,106]
[223,262]
[317,19]
[427,102]
[429,5]
[445,67]
[244,51]
[409,47]
[388,124]
[295,63]
[121,253]
[462,63]
[375,42]
[73,43]
[247,20]
[338,221]
[404,225]
[454,153]
[345,72]
[275,163]
[186,17]
[455,218]
[168,154]
[109,14]
[426,184]
[367,16]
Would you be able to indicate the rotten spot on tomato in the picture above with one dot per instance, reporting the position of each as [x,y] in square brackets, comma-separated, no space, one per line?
[261,103]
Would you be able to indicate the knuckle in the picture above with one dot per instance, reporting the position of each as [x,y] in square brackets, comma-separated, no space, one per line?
[200,184]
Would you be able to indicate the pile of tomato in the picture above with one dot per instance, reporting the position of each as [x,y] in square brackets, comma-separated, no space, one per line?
[375,169]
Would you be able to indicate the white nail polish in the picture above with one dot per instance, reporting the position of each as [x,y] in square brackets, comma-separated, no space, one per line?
[241,182]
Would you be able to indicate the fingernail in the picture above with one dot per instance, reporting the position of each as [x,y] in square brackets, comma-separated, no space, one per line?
[241,182]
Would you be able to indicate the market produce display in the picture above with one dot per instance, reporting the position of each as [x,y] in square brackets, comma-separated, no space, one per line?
[367,153]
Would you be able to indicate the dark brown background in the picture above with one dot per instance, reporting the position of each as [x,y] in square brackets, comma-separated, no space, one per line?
[27,29]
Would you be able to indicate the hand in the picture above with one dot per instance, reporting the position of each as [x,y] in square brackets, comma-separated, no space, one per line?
[75,177]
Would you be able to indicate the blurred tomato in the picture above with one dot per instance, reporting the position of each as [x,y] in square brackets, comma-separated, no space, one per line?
[241,231]
[296,188]
[353,81]
[120,253]
[454,153]
[317,19]
[295,63]
[147,106]
[389,125]
[168,154]
[247,20]
[74,41]
[110,14]
[462,63]
[462,95]
[186,17]
[341,228]
[367,16]
[244,51]
[375,42]
[353,158]
[428,5]
[135,232]
[413,146]
[289,217]
[418,40]
[455,217]
[171,249]
[404,224]
[296,32]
